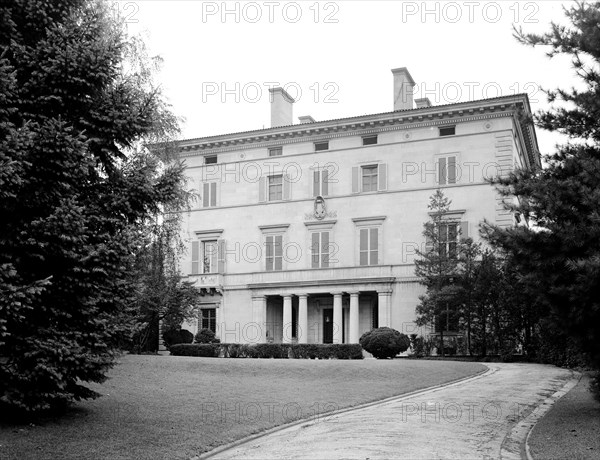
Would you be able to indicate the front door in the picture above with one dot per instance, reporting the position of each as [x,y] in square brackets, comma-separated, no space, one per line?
[328,325]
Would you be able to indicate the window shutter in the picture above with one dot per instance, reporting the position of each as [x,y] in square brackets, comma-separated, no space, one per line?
[428,241]
[355,187]
[316,178]
[262,189]
[452,170]
[382,177]
[464,230]
[221,268]
[205,194]
[269,253]
[287,187]
[374,246]
[325,182]
[278,252]
[324,249]
[442,171]
[315,250]
[213,194]
[195,251]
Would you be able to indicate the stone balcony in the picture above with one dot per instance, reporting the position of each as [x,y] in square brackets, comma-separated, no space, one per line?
[207,281]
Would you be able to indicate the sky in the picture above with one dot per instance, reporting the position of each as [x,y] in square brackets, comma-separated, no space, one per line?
[335,57]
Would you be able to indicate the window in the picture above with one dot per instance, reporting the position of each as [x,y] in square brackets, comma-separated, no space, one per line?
[369,246]
[447,131]
[369,140]
[369,178]
[275,151]
[449,234]
[210,160]
[208,253]
[320,146]
[446,170]
[319,250]
[447,320]
[209,194]
[448,238]
[208,319]
[274,252]
[276,187]
[209,256]
[321,182]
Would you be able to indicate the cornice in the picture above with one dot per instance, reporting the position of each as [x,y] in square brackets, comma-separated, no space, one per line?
[366,124]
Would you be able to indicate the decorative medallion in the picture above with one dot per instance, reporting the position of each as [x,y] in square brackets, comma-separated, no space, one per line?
[320,208]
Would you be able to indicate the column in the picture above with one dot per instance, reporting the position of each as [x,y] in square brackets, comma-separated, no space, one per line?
[337,317]
[259,317]
[384,301]
[287,319]
[303,318]
[354,329]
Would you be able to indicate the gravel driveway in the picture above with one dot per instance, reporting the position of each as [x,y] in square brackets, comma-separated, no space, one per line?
[487,416]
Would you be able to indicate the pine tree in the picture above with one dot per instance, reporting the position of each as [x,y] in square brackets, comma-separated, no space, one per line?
[557,255]
[75,101]
[437,268]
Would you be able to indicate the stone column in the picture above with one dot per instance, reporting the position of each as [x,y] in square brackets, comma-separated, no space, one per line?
[354,329]
[259,317]
[303,318]
[287,319]
[384,301]
[337,317]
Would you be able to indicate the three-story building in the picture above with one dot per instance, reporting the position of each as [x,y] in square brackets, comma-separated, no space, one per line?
[308,232]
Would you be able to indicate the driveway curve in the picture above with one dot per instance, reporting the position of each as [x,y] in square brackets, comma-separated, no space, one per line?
[487,416]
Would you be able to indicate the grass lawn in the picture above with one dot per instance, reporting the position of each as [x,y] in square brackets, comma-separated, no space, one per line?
[156,407]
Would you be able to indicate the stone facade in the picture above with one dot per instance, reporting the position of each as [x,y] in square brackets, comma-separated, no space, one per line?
[307,232]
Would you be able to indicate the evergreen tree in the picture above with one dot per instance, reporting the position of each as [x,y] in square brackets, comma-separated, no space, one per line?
[557,255]
[437,268]
[75,101]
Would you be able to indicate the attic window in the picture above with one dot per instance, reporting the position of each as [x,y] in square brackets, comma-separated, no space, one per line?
[369,140]
[275,151]
[320,146]
[211,160]
[447,131]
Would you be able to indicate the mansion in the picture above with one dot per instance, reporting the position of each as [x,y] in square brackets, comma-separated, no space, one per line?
[308,232]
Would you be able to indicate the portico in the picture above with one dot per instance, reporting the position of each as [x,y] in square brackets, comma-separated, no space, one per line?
[311,314]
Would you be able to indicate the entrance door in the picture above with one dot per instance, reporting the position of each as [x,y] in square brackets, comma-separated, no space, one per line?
[328,325]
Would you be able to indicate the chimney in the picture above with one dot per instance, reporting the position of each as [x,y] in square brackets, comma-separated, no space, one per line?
[403,89]
[281,107]
[306,119]
[423,102]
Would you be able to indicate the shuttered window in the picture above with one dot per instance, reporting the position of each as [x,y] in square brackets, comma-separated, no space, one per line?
[447,170]
[320,247]
[274,252]
[369,246]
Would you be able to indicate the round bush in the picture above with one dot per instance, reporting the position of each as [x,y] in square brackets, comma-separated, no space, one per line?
[174,336]
[206,336]
[384,342]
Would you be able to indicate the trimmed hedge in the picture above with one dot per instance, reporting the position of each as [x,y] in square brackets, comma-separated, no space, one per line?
[269,350]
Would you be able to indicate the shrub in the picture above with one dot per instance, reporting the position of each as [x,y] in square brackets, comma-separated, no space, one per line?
[206,336]
[384,342]
[175,336]
[269,350]
[204,350]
